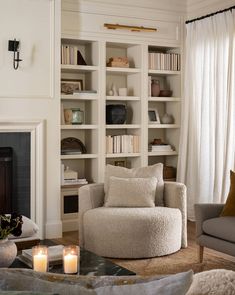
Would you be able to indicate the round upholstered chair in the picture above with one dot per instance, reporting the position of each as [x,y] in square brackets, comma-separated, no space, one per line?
[121,232]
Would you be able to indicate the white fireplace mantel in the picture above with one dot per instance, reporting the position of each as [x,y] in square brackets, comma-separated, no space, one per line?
[37,175]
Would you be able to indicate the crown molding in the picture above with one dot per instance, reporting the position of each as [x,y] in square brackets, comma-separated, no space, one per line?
[197,8]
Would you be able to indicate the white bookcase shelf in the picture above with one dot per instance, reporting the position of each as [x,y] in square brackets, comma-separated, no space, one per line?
[164,99]
[122,155]
[171,153]
[76,68]
[95,133]
[78,127]
[123,98]
[79,96]
[123,126]
[164,126]
[80,156]
[163,72]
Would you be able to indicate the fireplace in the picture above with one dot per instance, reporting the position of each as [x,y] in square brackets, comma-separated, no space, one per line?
[28,171]
[6,175]
[15,172]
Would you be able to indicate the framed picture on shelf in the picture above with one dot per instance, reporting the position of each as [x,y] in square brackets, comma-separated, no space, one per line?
[153,116]
[69,86]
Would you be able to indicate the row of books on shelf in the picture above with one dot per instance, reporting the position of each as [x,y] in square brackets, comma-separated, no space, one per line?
[122,144]
[70,55]
[164,61]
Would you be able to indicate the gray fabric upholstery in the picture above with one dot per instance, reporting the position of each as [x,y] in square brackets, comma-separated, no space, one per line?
[220,227]
[212,231]
[204,212]
[98,229]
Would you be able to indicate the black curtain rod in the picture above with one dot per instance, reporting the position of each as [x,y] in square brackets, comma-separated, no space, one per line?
[209,15]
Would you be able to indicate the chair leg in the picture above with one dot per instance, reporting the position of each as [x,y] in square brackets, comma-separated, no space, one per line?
[201,250]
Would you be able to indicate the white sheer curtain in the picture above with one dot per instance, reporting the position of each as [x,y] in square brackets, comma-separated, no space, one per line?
[208,110]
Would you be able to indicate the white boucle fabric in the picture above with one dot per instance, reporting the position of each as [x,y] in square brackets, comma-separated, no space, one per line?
[213,282]
[131,192]
[132,232]
[141,172]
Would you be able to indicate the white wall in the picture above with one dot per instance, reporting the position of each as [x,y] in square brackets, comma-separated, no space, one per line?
[32,91]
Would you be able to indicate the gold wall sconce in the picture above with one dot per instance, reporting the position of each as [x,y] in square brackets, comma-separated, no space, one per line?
[131,28]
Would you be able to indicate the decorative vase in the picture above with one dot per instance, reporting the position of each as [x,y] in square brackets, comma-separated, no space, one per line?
[167,119]
[155,88]
[8,252]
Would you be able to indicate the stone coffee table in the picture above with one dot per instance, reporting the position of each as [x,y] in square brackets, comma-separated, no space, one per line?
[90,264]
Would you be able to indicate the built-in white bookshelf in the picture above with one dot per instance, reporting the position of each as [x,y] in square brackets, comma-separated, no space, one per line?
[97,79]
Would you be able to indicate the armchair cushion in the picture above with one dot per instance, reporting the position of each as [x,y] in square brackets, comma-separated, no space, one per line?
[141,172]
[221,227]
[131,192]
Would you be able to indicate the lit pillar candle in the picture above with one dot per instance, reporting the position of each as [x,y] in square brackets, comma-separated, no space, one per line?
[71,259]
[40,258]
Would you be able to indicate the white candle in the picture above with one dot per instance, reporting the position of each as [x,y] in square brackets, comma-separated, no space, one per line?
[70,263]
[40,262]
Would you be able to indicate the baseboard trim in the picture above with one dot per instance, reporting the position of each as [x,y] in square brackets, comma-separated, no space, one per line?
[69,225]
[53,230]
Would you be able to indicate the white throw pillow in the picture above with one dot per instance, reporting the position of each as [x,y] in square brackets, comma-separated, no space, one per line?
[29,229]
[131,192]
[141,172]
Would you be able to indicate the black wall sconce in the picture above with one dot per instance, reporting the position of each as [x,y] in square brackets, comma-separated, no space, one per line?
[13,45]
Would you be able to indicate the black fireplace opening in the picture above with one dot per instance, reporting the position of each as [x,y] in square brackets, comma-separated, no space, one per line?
[15,173]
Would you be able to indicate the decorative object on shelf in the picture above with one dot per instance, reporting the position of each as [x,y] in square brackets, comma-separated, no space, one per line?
[169,172]
[122,91]
[120,163]
[120,62]
[68,86]
[13,45]
[154,116]
[155,88]
[73,116]
[165,93]
[114,89]
[70,174]
[40,258]
[131,28]
[167,119]
[9,225]
[71,259]
[72,146]
[110,92]
[116,114]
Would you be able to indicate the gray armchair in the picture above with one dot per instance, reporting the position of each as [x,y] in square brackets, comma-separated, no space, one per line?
[132,232]
[212,231]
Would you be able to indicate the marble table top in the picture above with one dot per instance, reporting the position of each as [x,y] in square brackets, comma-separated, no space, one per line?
[90,264]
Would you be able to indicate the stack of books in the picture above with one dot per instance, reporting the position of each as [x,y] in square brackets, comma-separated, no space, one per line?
[160,148]
[75,181]
[122,144]
[164,61]
[55,254]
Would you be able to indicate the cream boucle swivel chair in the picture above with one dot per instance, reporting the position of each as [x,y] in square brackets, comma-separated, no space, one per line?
[132,232]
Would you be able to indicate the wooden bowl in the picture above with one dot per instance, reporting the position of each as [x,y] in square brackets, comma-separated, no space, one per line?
[165,93]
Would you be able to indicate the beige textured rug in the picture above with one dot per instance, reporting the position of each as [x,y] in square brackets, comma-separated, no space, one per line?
[182,260]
